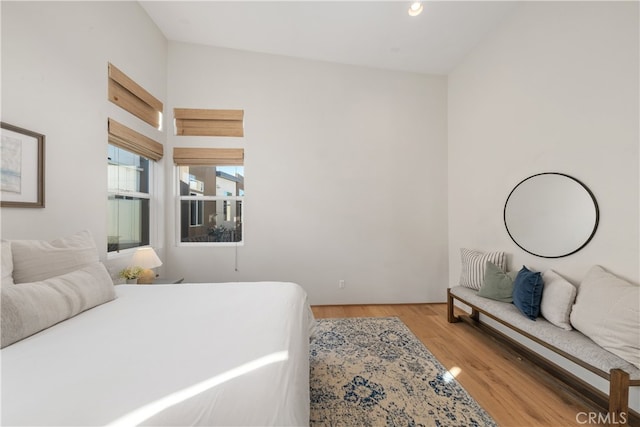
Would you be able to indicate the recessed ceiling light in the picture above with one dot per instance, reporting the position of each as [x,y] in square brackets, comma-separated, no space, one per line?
[415,9]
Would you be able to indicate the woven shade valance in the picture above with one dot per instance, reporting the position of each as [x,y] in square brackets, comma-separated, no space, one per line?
[132,97]
[208,156]
[130,140]
[198,122]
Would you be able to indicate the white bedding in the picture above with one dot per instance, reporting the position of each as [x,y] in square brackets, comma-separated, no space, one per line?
[187,354]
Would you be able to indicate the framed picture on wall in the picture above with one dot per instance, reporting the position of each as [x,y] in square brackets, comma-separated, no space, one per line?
[22,167]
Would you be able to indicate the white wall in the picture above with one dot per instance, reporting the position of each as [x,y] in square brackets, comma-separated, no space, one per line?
[54,81]
[326,148]
[554,88]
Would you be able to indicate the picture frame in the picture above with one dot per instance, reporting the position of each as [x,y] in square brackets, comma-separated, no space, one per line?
[21,167]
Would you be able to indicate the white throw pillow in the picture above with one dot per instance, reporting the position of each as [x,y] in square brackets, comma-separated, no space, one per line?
[7,263]
[558,297]
[35,260]
[473,266]
[607,311]
[31,307]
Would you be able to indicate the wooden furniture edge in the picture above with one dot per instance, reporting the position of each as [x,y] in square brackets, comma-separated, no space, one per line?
[617,403]
[451,317]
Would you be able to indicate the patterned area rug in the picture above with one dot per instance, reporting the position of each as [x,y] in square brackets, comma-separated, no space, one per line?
[375,372]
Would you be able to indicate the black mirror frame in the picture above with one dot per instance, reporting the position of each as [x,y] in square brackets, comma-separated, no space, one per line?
[595,205]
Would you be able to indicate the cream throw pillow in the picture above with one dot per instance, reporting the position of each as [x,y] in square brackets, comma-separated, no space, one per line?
[557,299]
[35,260]
[607,311]
[31,307]
[7,263]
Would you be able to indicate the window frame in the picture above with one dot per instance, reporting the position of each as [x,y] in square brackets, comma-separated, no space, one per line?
[150,196]
[203,199]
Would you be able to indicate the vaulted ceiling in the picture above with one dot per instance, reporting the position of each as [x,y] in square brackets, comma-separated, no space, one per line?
[378,34]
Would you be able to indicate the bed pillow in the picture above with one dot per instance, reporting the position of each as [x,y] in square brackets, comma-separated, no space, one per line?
[7,263]
[31,307]
[557,299]
[498,285]
[473,265]
[607,311]
[36,260]
[527,292]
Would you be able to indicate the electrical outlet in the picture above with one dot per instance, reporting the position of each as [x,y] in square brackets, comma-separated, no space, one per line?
[341,284]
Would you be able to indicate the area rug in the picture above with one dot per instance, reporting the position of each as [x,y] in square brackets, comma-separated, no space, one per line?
[375,372]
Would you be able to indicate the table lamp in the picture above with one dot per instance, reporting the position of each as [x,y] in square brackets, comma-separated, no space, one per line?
[147,259]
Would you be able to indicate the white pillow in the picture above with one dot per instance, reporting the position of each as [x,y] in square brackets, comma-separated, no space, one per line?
[35,260]
[557,299]
[607,311]
[473,266]
[31,307]
[7,263]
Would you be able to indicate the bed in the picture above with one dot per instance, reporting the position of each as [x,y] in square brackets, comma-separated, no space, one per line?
[184,354]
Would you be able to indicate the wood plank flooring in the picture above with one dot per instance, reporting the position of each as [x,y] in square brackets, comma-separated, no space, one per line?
[513,391]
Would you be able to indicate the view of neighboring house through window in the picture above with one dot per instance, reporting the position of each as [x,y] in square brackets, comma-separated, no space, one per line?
[129,196]
[211,203]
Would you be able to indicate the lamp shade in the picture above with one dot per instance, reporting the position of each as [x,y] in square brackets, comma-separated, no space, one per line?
[146,258]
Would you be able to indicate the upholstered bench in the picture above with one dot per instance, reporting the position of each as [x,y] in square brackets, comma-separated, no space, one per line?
[570,344]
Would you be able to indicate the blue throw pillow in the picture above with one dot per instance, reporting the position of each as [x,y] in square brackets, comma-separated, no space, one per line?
[527,292]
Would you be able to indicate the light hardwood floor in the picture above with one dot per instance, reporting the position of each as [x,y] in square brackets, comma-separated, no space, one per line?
[513,391]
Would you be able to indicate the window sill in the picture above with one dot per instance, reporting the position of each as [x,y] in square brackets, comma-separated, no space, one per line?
[210,244]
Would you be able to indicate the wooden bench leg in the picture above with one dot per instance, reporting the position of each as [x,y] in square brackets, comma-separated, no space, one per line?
[451,318]
[618,398]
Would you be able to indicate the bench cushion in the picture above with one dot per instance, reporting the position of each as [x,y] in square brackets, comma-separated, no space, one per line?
[571,342]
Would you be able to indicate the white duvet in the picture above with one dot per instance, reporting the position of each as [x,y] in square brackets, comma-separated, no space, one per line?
[187,354]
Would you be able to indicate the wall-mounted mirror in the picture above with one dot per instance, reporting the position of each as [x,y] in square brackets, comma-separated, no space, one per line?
[551,215]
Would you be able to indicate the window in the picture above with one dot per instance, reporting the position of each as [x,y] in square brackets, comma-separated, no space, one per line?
[131,157]
[129,195]
[211,193]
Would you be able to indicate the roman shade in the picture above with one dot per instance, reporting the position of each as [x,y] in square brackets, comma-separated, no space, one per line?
[130,140]
[199,122]
[208,156]
[132,97]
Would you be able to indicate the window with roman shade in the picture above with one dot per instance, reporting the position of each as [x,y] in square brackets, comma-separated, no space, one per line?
[201,122]
[211,195]
[124,137]
[131,159]
[130,96]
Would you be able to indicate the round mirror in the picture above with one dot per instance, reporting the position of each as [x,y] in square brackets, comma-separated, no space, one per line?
[551,215]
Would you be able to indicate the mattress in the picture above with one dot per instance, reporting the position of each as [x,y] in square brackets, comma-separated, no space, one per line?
[186,354]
